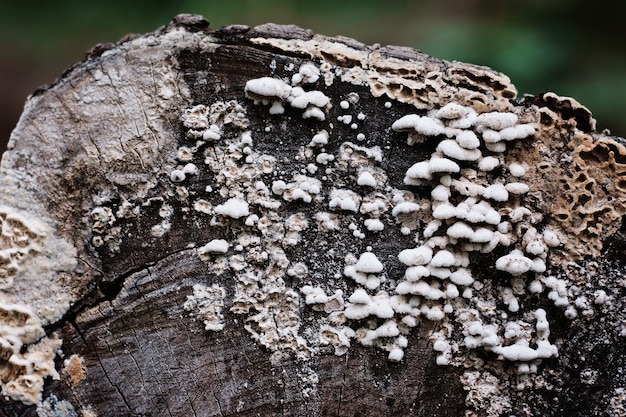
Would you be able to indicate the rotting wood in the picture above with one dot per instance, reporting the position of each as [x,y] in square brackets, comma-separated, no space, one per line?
[178,241]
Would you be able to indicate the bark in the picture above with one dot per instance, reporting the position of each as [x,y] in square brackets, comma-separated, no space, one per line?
[182,236]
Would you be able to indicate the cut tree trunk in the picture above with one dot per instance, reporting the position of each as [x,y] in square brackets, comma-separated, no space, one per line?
[264,221]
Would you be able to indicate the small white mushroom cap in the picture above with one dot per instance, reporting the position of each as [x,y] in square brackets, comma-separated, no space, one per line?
[481,235]
[496,192]
[381,306]
[214,246]
[517,132]
[460,230]
[319,139]
[442,165]
[434,313]
[421,124]
[308,73]
[212,133]
[514,263]
[268,87]
[416,256]
[516,352]
[369,263]
[539,265]
[405,207]
[441,345]
[499,147]
[357,311]
[452,149]
[420,170]
[443,258]
[496,120]
[488,163]
[445,211]
[406,123]
[440,193]
[374,225]
[441,272]
[491,137]
[314,113]
[467,187]
[342,199]
[309,98]
[516,188]
[462,277]
[431,228]
[277,107]
[360,296]
[177,175]
[366,179]
[536,246]
[468,139]
[190,169]
[551,238]
[492,217]
[314,295]
[517,170]
[234,208]
[452,111]
[414,273]
[396,354]
[388,329]
[535,287]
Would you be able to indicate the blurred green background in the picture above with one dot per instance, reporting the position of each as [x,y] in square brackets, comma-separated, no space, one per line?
[574,47]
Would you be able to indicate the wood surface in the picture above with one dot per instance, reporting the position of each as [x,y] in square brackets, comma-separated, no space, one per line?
[92,160]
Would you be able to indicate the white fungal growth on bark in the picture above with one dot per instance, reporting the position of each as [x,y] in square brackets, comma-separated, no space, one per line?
[206,304]
[474,204]
[345,216]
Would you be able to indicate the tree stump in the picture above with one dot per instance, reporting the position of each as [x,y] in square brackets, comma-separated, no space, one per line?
[264,221]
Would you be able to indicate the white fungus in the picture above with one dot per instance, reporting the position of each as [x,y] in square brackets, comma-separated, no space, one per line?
[308,73]
[496,192]
[374,225]
[366,179]
[420,170]
[516,187]
[309,98]
[233,207]
[488,163]
[468,139]
[496,120]
[177,175]
[442,165]
[320,139]
[517,170]
[369,263]
[267,87]
[421,124]
[452,149]
[443,258]
[215,246]
[416,256]
[515,263]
